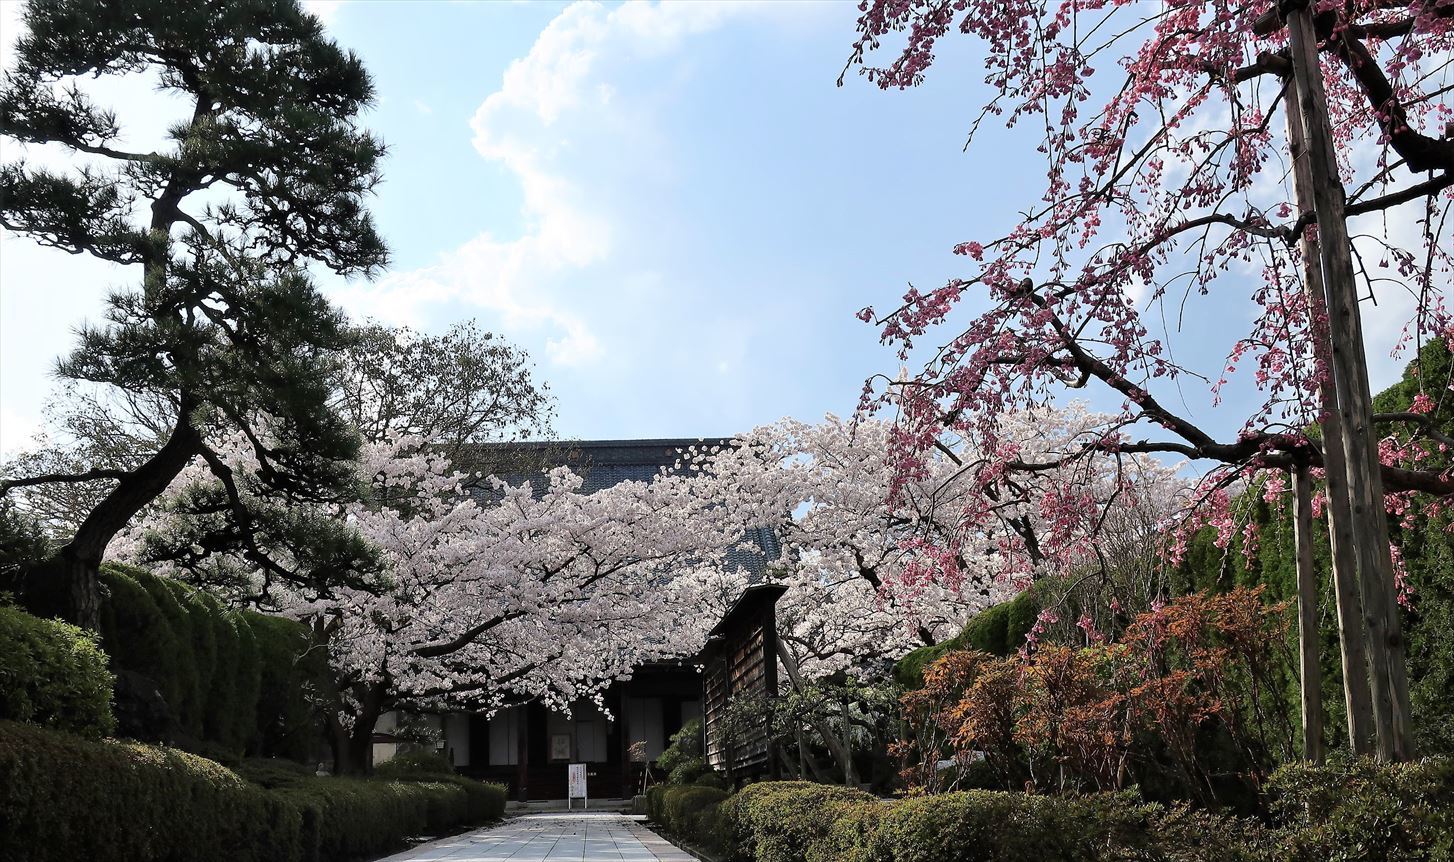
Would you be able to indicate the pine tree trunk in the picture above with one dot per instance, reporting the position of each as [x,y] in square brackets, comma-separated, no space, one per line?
[1311,676]
[67,586]
[1348,595]
[1387,675]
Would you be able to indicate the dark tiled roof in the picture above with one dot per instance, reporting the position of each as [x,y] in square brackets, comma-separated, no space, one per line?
[602,464]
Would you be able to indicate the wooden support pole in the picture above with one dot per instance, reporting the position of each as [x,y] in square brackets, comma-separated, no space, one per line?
[1311,675]
[1387,675]
[1352,634]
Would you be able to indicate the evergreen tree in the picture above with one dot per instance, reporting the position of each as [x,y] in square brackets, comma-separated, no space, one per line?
[267,173]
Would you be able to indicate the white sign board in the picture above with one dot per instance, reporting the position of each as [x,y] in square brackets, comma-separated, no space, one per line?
[576,784]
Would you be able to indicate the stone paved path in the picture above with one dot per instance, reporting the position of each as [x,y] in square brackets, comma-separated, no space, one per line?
[553,838]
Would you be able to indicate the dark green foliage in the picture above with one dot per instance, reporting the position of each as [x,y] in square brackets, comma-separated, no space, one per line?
[414,762]
[1360,811]
[993,826]
[273,772]
[685,760]
[779,821]
[998,630]
[63,798]
[287,720]
[692,814]
[23,544]
[53,674]
[1346,812]
[231,683]
[349,818]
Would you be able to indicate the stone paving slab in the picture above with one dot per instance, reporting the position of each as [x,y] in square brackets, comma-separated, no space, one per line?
[562,837]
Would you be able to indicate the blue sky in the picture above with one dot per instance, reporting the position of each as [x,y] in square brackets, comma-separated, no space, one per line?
[672,207]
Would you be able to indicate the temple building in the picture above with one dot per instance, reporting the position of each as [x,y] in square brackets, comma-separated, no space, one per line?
[528,747]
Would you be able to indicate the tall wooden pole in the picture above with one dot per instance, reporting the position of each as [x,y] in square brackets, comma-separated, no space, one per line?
[1311,676]
[1388,678]
[1347,593]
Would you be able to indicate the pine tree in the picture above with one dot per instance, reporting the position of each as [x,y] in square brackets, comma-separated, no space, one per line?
[266,175]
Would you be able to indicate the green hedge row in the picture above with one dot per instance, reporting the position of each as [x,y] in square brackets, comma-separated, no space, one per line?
[64,798]
[1350,812]
[53,674]
[690,812]
[195,674]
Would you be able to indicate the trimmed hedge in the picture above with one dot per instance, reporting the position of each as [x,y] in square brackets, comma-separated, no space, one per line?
[787,821]
[65,798]
[219,682]
[689,811]
[1360,811]
[1347,812]
[53,674]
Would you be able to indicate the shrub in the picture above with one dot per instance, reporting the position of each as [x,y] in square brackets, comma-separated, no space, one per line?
[272,772]
[286,720]
[779,821]
[997,826]
[693,813]
[219,682]
[145,655]
[53,674]
[414,762]
[1360,811]
[65,798]
[684,759]
[347,818]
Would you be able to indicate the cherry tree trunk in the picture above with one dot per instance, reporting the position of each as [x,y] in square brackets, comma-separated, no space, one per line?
[1352,634]
[842,752]
[352,749]
[1387,675]
[1311,675]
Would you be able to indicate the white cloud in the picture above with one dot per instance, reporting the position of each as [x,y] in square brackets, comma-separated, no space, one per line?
[554,108]
[423,107]
[325,10]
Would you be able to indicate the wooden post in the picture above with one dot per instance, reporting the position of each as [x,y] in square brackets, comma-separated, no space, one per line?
[1311,676]
[1352,635]
[1387,675]
[522,752]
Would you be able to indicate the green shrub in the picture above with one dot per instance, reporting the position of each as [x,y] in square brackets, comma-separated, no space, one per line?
[286,720]
[273,772]
[53,674]
[779,821]
[998,630]
[1360,811]
[684,759]
[65,798]
[414,762]
[694,813]
[996,826]
[348,818]
[228,683]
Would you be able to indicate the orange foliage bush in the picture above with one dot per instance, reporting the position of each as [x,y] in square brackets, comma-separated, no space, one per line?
[1196,688]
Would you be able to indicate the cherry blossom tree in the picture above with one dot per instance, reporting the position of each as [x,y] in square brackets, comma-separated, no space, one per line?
[526,595]
[882,557]
[1175,181]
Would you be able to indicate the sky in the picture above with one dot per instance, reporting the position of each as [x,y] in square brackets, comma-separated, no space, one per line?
[672,207]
